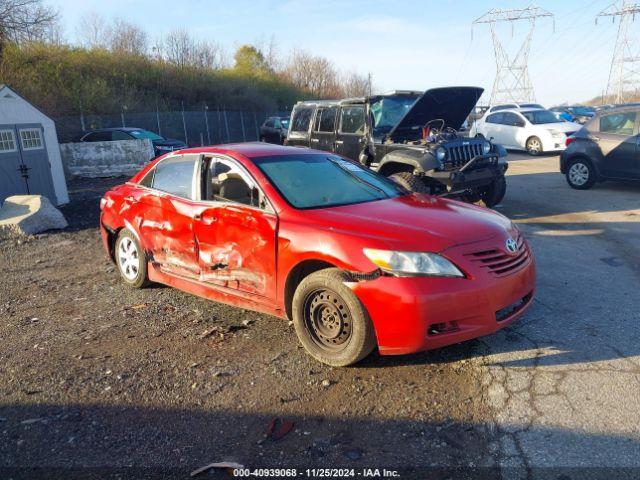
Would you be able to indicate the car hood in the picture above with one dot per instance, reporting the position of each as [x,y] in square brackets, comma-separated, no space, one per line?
[416,222]
[451,104]
[564,127]
[169,142]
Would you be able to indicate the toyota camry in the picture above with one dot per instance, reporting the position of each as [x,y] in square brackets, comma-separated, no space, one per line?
[353,259]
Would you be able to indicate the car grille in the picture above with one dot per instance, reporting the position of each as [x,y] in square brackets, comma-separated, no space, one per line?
[501,263]
[460,152]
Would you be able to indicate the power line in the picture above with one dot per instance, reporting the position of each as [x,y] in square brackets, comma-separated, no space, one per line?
[624,75]
[512,82]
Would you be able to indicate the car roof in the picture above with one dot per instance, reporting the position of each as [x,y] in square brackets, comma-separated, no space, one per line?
[250,149]
[625,108]
[114,129]
[357,100]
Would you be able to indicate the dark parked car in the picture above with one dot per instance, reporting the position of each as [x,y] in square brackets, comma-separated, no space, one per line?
[160,145]
[581,114]
[411,137]
[606,148]
[274,130]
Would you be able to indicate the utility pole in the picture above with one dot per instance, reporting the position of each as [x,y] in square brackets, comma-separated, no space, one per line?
[512,82]
[369,83]
[624,76]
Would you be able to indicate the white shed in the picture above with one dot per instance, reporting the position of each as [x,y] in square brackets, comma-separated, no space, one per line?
[30,162]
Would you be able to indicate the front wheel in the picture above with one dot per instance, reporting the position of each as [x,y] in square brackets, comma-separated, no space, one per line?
[495,192]
[534,146]
[410,182]
[581,175]
[330,321]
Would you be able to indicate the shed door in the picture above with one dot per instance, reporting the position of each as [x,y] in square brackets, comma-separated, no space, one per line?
[24,163]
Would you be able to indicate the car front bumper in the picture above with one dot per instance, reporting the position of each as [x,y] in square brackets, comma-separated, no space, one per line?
[413,314]
[458,180]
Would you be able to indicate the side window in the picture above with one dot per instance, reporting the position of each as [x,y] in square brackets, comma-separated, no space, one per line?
[7,141]
[512,119]
[352,120]
[227,181]
[618,123]
[495,118]
[31,139]
[328,120]
[175,175]
[97,137]
[301,119]
[120,135]
[316,121]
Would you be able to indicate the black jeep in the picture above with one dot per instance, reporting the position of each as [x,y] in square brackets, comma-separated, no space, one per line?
[411,137]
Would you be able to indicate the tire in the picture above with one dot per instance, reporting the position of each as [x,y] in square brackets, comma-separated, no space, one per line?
[131,260]
[495,192]
[534,146]
[330,321]
[411,182]
[581,174]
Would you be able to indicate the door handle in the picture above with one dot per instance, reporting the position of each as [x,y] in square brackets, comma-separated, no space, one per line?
[315,140]
[206,219]
[339,142]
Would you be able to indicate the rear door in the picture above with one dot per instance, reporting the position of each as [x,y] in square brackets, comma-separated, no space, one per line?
[617,138]
[350,139]
[300,128]
[164,214]
[323,135]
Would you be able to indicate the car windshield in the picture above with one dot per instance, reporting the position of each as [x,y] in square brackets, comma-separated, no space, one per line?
[583,110]
[144,134]
[318,180]
[284,122]
[538,117]
[388,111]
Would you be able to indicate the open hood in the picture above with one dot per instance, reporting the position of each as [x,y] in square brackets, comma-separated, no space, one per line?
[451,104]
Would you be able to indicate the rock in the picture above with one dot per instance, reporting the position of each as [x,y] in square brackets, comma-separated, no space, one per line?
[326,383]
[25,215]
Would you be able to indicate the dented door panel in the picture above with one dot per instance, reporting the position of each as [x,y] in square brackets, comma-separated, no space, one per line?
[237,249]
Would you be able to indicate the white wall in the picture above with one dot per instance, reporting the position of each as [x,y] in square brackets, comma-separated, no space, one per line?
[106,159]
[17,110]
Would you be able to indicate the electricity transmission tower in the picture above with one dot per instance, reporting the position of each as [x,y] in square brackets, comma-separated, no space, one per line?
[512,82]
[624,76]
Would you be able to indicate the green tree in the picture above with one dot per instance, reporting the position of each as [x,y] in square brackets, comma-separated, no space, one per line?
[249,60]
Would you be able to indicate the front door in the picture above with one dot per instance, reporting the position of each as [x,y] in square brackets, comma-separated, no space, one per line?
[618,141]
[164,214]
[11,180]
[235,231]
[350,139]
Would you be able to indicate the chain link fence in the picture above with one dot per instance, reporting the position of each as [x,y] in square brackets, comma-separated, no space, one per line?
[194,127]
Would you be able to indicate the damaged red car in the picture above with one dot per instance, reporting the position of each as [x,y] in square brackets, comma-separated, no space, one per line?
[353,259]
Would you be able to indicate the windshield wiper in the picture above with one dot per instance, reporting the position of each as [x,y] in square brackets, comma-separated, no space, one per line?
[358,179]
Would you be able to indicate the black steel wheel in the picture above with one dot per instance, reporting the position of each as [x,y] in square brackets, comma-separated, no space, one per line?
[330,321]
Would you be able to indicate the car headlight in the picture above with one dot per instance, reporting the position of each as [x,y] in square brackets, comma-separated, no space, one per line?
[413,263]
[441,153]
[486,147]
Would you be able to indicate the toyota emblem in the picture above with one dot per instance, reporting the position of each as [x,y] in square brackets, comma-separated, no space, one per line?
[512,246]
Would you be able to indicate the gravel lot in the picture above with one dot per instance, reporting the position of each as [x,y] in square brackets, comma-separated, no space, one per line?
[96,375]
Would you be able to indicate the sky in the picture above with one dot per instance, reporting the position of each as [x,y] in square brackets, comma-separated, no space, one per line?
[403,44]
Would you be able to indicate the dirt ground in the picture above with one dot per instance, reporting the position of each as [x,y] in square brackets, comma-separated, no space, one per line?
[97,377]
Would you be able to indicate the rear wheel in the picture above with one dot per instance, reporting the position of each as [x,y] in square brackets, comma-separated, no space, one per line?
[411,182]
[131,260]
[495,192]
[330,321]
[534,146]
[581,175]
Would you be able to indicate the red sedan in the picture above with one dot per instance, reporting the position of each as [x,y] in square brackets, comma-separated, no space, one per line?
[353,259]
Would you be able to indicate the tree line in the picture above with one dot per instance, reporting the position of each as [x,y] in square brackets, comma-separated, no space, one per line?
[115,65]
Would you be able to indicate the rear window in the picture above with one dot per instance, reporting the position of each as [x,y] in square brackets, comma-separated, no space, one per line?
[301,119]
[619,123]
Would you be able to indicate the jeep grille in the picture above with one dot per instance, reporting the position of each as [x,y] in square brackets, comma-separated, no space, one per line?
[460,152]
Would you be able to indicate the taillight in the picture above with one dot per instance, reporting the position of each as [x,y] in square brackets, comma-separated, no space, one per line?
[569,141]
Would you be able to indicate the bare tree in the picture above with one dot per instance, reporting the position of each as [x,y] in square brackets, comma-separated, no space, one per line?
[126,37]
[315,74]
[181,49]
[93,31]
[24,20]
[355,85]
